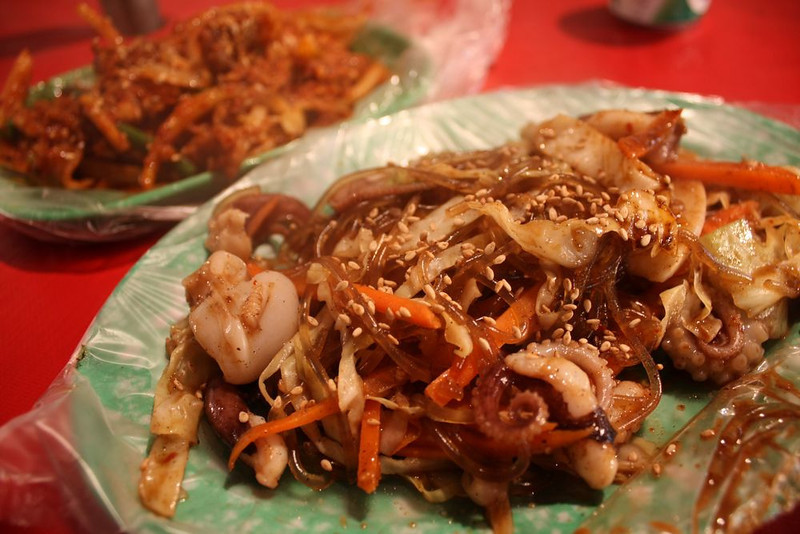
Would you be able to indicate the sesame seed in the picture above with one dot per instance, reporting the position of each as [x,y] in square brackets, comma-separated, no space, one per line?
[624,348]
[490,248]
[403,227]
[567,285]
[342,285]
[297,390]
[312,321]
[383,325]
[645,240]
[353,265]
[344,318]
[517,331]
[635,322]
[708,433]
[499,259]
[489,273]
[657,469]
[393,339]
[587,305]
[484,343]
[605,346]
[458,221]
[358,331]
[672,448]
[331,384]
[489,320]
[410,255]
[403,312]
[326,464]
[358,309]
[244,417]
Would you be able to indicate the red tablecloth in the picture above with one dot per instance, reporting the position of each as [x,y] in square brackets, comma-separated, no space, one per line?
[746,51]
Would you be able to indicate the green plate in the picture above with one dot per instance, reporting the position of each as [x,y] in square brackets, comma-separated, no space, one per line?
[122,354]
[106,215]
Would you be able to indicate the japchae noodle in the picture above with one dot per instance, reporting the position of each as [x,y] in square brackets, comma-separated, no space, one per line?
[461,319]
[230,83]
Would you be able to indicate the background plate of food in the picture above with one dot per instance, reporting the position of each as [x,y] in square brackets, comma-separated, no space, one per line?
[95,421]
[157,125]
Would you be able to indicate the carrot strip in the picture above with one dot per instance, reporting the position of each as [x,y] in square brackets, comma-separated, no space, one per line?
[450,384]
[753,176]
[420,314]
[369,465]
[301,417]
[91,104]
[188,110]
[15,90]
[743,210]
[521,313]
[101,24]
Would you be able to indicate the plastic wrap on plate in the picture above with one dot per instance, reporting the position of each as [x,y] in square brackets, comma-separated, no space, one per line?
[423,64]
[76,456]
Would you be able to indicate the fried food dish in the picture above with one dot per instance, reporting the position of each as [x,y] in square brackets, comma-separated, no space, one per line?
[228,84]
[470,319]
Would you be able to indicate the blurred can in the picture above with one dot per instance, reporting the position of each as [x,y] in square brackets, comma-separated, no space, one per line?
[659,13]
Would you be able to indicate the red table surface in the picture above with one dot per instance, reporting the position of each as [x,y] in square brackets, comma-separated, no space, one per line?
[745,51]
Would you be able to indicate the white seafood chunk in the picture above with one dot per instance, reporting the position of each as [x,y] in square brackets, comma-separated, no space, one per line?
[241,323]
[566,377]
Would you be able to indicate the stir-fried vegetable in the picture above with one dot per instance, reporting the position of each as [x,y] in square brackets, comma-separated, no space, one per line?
[467,316]
[230,83]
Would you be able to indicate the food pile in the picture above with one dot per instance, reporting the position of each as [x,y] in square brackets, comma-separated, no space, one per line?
[233,82]
[472,320]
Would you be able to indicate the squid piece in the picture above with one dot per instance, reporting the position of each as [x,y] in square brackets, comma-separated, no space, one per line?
[242,323]
[719,347]
[246,218]
[565,377]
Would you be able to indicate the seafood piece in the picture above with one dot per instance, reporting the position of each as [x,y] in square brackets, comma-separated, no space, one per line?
[241,322]
[718,347]
[563,375]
